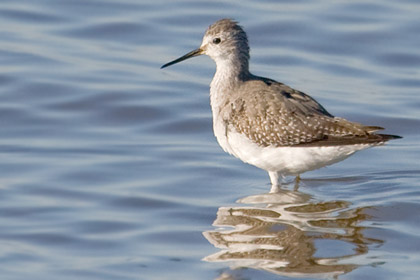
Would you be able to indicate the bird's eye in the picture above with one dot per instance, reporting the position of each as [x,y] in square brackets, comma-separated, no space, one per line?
[216,41]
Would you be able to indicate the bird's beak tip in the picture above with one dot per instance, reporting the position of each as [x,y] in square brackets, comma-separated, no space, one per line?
[193,53]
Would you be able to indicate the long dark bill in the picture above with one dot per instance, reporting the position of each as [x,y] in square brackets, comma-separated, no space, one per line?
[184,57]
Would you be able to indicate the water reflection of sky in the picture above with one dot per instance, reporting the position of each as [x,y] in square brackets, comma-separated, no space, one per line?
[109,168]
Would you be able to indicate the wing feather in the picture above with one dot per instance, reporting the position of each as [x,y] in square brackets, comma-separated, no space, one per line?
[273,114]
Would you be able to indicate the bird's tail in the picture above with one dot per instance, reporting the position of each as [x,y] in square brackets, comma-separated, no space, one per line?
[387,137]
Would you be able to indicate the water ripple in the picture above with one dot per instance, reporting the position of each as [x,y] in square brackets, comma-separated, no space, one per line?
[109,168]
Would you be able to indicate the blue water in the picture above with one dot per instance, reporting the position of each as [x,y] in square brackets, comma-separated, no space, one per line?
[109,168]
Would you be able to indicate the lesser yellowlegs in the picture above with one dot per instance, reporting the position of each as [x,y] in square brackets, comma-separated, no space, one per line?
[268,124]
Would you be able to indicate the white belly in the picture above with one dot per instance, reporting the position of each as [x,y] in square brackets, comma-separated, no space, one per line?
[284,160]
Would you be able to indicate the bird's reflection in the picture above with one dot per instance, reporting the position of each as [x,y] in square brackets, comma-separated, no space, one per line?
[290,233]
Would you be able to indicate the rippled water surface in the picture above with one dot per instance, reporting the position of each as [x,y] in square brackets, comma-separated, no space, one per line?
[109,168]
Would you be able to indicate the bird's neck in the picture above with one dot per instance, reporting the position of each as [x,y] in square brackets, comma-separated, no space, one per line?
[230,73]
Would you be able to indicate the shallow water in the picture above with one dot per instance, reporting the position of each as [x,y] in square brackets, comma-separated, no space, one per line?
[109,168]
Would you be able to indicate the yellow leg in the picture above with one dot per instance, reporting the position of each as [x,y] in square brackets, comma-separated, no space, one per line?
[297,181]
